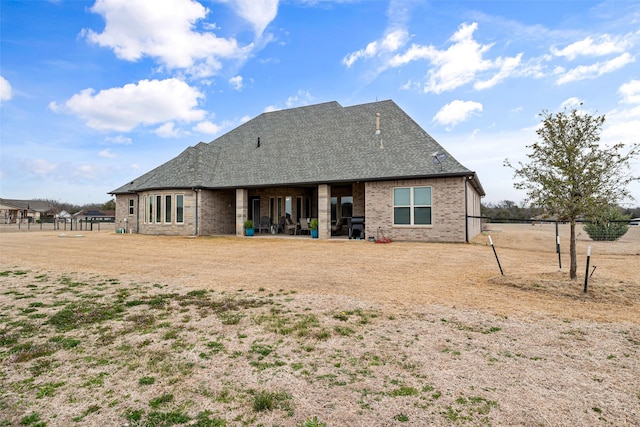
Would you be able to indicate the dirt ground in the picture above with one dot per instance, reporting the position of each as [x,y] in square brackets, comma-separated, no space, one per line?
[102,329]
[401,275]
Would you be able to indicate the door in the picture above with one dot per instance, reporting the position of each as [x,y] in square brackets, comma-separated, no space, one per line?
[255,210]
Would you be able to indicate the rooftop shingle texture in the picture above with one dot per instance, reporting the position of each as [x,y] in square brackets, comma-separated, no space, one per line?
[307,145]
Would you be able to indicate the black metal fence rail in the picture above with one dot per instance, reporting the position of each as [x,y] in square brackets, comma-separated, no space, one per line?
[83,224]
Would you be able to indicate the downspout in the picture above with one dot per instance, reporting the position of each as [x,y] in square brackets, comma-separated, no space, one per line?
[466,207]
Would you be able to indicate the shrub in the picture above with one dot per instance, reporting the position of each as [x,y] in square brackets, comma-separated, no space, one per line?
[610,225]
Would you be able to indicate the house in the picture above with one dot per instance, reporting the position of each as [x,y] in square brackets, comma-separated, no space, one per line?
[94,215]
[12,210]
[322,161]
[63,216]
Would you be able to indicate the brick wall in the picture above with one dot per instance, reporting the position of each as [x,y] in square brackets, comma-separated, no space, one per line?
[122,212]
[217,212]
[186,228]
[448,210]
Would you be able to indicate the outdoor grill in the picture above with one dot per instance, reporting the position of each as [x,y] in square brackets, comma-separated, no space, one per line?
[356,230]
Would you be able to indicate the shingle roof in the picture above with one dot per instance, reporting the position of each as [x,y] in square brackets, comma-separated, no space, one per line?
[324,143]
[32,205]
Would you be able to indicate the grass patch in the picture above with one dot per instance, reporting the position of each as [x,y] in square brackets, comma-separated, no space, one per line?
[265,400]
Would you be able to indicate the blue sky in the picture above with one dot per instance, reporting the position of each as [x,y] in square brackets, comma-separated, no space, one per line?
[96,93]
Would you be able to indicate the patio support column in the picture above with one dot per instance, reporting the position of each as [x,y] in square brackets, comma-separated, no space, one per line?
[324,211]
[242,209]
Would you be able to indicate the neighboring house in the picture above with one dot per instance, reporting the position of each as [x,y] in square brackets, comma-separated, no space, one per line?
[94,215]
[321,161]
[12,210]
[63,216]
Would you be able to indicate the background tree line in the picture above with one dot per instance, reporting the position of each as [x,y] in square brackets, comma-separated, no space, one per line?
[58,206]
[509,210]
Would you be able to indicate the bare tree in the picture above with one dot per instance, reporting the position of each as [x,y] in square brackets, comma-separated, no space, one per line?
[569,174]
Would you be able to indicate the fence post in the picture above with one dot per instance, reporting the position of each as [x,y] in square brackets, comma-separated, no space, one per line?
[496,255]
[586,273]
[558,246]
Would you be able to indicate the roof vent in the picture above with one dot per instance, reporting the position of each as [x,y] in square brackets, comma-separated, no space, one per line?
[377,123]
[258,146]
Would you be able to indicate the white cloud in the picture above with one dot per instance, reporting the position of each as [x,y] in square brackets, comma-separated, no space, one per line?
[604,45]
[572,102]
[259,13]
[84,171]
[300,99]
[106,153]
[583,72]
[122,109]
[460,64]
[208,128]
[6,92]
[120,140]
[39,167]
[391,42]
[236,82]
[303,97]
[630,92]
[621,126]
[456,111]
[164,31]
[168,130]
[506,66]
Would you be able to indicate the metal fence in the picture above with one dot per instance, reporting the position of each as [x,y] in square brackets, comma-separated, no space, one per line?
[615,237]
[84,224]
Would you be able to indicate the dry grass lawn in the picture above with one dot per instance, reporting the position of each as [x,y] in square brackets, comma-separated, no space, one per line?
[98,328]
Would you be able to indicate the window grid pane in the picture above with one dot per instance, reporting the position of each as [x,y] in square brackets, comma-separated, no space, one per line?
[180,208]
[401,197]
[422,216]
[158,209]
[167,211]
[422,196]
[402,216]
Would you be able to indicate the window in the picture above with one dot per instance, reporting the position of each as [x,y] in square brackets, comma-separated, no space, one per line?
[179,208]
[334,208]
[412,206]
[130,206]
[167,209]
[272,207]
[158,209]
[287,206]
[151,209]
[279,210]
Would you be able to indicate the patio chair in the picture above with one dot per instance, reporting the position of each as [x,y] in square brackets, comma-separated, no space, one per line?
[337,227]
[290,227]
[304,226]
[265,223]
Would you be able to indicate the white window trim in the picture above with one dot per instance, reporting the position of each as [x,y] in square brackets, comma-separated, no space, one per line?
[411,207]
[175,216]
